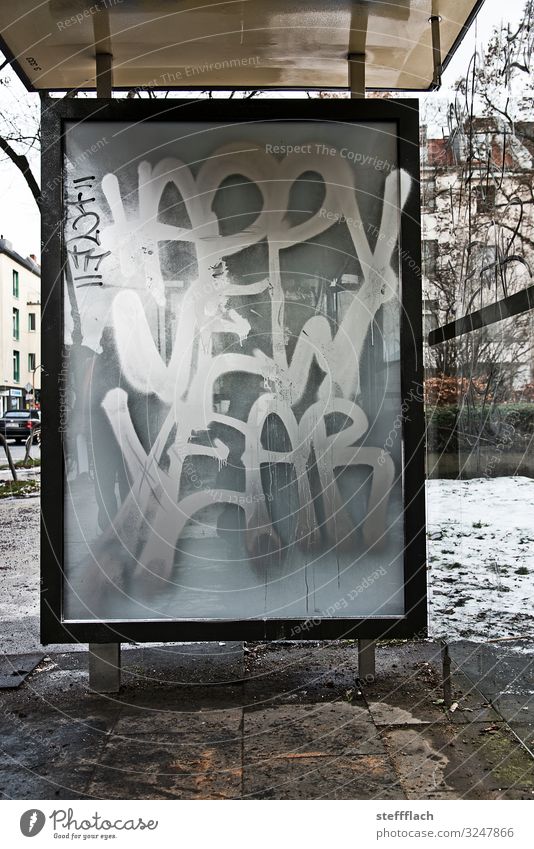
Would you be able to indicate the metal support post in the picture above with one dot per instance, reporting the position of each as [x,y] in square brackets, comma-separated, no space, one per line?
[357,74]
[447,683]
[436,49]
[104,74]
[366,661]
[103,52]
[105,667]
[359,18]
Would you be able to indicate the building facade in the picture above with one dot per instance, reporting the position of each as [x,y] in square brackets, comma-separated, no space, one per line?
[20,330]
[477,192]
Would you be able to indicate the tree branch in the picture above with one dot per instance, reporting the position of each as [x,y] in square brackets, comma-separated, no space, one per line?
[24,167]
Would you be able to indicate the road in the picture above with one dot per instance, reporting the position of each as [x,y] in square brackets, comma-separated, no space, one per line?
[17,452]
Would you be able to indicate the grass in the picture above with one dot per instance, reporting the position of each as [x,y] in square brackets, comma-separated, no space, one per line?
[19,489]
[20,464]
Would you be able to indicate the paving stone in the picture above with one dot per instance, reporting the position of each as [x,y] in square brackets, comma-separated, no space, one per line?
[405,698]
[473,706]
[23,783]
[525,732]
[210,726]
[330,777]
[201,759]
[384,713]
[15,668]
[498,672]
[408,678]
[419,763]
[48,754]
[337,727]
[506,765]
[315,751]
[176,728]
[147,770]
[514,707]
[459,762]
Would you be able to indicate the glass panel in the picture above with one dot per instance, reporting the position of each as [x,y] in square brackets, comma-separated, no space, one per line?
[233,387]
[479,386]
[481,436]
[282,43]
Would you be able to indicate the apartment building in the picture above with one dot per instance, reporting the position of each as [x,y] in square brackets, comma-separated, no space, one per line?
[20,334]
[477,192]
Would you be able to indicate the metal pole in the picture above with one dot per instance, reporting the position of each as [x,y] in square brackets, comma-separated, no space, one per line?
[357,74]
[359,18]
[33,406]
[366,661]
[436,49]
[103,52]
[104,75]
[446,667]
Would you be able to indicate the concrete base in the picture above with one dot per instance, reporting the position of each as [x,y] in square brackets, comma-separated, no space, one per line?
[366,661]
[105,667]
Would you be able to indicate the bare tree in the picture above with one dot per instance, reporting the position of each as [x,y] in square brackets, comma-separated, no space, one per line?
[20,135]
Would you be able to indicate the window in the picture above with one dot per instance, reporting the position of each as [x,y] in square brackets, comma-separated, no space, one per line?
[15,284]
[31,362]
[31,321]
[430,257]
[15,323]
[16,366]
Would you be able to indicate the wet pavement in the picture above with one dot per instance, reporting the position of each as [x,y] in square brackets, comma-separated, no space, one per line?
[257,721]
[277,721]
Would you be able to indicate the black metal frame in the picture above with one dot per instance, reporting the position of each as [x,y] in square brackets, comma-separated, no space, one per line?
[404,113]
[515,304]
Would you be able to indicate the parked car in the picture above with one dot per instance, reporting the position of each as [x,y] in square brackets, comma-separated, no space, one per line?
[18,424]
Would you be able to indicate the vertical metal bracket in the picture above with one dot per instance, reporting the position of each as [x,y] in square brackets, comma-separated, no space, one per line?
[103,53]
[366,661]
[436,49]
[104,75]
[356,74]
[105,667]
[447,683]
[359,17]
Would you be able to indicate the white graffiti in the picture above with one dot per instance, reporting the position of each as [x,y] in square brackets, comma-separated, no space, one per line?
[154,514]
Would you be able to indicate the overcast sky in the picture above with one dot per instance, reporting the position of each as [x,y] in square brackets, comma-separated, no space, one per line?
[19,220]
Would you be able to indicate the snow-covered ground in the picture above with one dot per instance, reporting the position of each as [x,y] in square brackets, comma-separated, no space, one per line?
[481,558]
